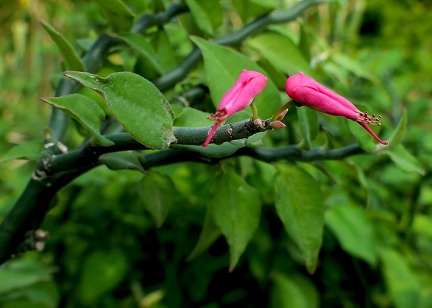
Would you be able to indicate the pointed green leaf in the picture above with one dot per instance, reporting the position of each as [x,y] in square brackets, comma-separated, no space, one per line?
[355,67]
[207,14]
[308,120]
[137,104]
[223,67]
[71,58]
[293,291]
[121,161]
[401,282]
[191,117]
[148,57]
[304,43]
[83,109]
[281,52]
[236,209]
[278,78]
[354,230]
[30,150]
[364,139]
[422,225]
[364,184]
[397,136]
[404,160]
[248,9]
[119,16]
[299,204]
[209,233]
[157,194]
[17,274]
[101,272]
[164,50]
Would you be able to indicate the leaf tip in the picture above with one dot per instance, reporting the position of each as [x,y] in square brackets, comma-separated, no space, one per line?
[70,74]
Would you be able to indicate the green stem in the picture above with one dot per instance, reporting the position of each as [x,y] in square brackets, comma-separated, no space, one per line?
[31,207]
[191,61]
[254,111]
[281,109]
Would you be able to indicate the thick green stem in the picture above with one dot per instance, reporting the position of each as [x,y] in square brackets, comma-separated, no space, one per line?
[54,173]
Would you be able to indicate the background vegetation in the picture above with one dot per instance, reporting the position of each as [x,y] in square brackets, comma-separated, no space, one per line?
[107,246]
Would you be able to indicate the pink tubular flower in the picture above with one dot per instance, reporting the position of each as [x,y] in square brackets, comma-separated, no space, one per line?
[246,88]
[312,94]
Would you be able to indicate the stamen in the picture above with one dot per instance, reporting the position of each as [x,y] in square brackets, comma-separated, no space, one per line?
[217,116]
[369,119]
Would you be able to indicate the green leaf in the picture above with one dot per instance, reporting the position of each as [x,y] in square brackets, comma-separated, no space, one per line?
[299,204]
[121,161]
[149,63]
[209,233]
[137,104]
[364,139]
[280,51]
[157,194]
[43,294]
[308,120]
[354,230]
[20,273]
[119,16]
[404,160]
[72,60]
[265,3]
[207,14]
[355,67]
[337,73]
[278,78]
[294,291]
[401,282]
[223,67]
[236,209]
[251,8]
[164,50]
[30,150]
[101,272]
[191,117]
[83,109]
[397,136]
[364,184]
[304,43]
[422,225]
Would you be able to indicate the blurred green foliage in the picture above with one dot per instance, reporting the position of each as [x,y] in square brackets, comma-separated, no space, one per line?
[110,246]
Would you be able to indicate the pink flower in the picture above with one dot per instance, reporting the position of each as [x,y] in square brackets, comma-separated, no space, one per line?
[246,88]
[312,94]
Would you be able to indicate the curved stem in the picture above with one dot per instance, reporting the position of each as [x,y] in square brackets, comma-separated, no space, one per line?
[281,109]
[191,61]
[254,111]
[33,204]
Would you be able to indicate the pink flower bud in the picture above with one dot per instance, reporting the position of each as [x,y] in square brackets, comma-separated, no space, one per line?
[246,88]
[282,114]
[277,125]
[312,94]
[258,122]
